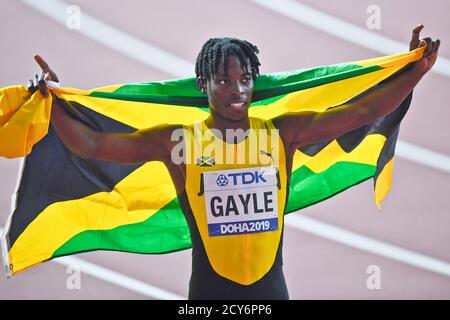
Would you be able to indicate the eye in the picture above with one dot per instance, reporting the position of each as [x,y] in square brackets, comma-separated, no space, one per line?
[246,79]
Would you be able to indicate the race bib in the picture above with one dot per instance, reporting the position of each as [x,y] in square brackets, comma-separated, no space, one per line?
[241,200]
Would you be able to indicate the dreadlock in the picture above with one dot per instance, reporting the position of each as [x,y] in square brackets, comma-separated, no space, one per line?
[216,50]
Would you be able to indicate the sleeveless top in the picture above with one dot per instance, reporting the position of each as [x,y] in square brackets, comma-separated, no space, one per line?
[234,200]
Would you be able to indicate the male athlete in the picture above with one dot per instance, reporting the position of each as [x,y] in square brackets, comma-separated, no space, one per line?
[237,229]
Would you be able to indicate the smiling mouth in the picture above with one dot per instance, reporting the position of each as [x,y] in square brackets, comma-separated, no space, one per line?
[237,105]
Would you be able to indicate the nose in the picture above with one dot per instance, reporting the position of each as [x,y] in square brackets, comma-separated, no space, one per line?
[237,88]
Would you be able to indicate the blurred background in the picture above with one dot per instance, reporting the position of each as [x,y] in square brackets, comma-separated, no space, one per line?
[343,248]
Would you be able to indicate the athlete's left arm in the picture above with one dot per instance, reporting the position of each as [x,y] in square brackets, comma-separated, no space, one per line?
[303,128]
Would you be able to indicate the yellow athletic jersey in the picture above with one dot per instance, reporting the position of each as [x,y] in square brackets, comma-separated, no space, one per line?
[237,194]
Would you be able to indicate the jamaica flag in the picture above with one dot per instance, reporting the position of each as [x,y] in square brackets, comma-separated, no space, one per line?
[65,204]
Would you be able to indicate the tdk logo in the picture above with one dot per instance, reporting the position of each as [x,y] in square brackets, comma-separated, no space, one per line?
[222,181]
[241,178]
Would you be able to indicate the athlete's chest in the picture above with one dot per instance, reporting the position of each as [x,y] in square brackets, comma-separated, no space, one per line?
[210,162]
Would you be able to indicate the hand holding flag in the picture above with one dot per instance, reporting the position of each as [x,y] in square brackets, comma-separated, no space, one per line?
[423,65]
[46,74]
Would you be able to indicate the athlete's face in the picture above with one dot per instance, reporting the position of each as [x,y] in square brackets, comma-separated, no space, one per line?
[230,93]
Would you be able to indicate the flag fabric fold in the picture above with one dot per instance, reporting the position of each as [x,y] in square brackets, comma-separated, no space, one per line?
[65,204]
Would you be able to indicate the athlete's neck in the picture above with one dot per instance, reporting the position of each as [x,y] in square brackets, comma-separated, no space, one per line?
[222,124]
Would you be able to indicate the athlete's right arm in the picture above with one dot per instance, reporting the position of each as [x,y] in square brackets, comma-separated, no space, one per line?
[140,146]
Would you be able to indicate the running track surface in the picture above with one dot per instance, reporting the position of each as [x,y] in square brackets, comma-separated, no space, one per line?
[416,214]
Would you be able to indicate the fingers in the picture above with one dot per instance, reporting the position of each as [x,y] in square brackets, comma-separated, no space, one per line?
[417,30]
[432,46]
[46,68]
[434,50]
[42,86]
[31,86]
[415,39]
[423,43]
[438,44]
[429,45]
[38,82]
[435,45]
[41,62]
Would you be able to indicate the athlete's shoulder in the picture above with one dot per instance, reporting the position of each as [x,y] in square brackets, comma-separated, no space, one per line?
[261,123]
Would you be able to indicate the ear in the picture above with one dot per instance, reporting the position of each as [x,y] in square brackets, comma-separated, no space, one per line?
[201,84]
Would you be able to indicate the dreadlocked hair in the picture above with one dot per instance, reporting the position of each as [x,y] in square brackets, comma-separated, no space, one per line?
[216,50]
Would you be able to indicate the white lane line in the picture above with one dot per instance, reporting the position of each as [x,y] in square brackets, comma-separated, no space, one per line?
[116,39]
[118,279]
[50,11]
[168,63]
[344,30]
[423,156]
[114,277]
[367,244]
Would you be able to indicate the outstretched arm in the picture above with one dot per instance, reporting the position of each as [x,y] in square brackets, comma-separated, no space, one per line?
[139,146]
[303,128]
